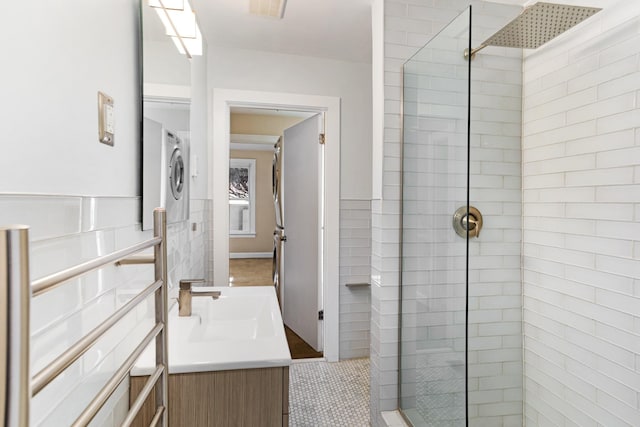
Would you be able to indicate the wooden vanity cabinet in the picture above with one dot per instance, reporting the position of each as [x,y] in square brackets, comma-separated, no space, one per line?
[236,398]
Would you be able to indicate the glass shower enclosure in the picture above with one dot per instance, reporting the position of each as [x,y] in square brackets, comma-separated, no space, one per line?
[434,308]
[461,285]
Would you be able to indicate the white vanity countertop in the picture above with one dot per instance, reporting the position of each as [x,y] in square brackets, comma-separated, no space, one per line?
[242,329]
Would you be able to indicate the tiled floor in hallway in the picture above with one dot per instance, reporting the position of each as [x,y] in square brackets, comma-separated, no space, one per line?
[323,394]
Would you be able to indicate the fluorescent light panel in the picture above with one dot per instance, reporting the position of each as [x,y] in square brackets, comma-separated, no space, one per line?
[193,45]
[180,25]
[168,4]
[273,8]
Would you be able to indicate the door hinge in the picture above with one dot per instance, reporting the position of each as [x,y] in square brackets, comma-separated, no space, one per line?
[321,139]
[321,315]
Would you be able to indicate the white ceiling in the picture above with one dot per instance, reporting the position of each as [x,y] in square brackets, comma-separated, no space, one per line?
[338,29]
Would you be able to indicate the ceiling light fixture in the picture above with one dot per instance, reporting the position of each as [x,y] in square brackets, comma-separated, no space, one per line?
[179,21]
[273,8]
[167,4]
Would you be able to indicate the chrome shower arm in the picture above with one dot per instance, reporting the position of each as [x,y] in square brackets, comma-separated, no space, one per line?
[471,54]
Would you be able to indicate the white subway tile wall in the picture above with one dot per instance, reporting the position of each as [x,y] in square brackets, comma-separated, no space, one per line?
[355,262]
[495,190]
[581,265]
[68,230]
[495,290]
[381,374]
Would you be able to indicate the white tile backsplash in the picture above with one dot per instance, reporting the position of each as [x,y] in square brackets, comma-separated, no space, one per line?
[108,212]
[63,214]
[69,230]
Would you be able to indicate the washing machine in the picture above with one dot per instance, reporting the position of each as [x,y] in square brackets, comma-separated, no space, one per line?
[176,177]
[165,171]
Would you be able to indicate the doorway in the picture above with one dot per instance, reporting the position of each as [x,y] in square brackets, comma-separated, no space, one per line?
[275,220]
[223,102]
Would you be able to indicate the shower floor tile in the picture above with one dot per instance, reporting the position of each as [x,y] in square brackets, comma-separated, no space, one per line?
[323,394]
[440,400]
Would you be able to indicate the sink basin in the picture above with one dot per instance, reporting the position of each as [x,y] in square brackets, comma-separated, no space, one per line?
[230,317]
[242,329]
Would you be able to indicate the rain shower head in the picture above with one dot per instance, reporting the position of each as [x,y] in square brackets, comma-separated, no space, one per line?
[537,24]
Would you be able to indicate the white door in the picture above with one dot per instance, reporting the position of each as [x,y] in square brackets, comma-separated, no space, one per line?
[302,215]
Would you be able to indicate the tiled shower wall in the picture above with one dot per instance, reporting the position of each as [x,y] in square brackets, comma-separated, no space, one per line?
[355,262]
[581,154]
[495,301]
[66,230]
[495,290]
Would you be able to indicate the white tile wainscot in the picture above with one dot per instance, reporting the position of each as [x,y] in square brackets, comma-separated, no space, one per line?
[66,230]
[355,268]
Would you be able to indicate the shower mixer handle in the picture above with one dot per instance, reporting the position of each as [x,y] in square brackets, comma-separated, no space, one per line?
[467,221]
[474,224]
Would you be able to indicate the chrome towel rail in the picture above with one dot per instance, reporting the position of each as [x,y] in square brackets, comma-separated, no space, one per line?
[137,259]
[104,394]
[142,397]
[14,324]
[48,374]
[15,295]
[48,283]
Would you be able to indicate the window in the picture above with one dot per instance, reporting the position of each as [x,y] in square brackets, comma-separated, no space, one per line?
[242,206]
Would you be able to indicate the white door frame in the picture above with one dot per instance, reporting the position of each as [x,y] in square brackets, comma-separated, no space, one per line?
[222,101]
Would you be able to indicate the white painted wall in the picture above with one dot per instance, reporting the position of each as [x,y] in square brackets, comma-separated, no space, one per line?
[351,81]
[174,117]
[164,64]
[377,98]
[59,55]
[581,158]
[199,126]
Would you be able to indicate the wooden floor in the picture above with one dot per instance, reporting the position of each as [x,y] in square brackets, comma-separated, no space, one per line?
[298,347]
[250,272]
[257,272]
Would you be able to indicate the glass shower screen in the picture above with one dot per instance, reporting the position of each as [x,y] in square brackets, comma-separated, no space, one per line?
[434,258]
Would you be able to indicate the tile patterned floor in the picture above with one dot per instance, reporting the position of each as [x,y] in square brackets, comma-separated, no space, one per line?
[323,394]
[440,384]
[440,396]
